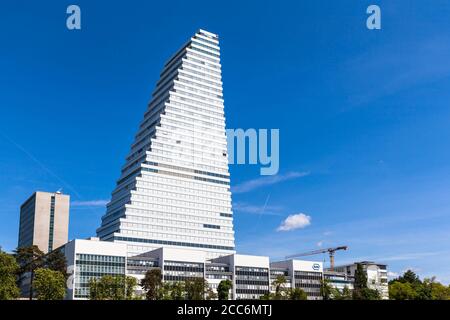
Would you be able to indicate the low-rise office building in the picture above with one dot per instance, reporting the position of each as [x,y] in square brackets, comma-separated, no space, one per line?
[306,275]
[339,280]
[92,259]
[250,275]
[376,273]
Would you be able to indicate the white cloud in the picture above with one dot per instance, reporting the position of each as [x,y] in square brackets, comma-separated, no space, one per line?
[320,243]
[90,203]
[295,221]
[251,185]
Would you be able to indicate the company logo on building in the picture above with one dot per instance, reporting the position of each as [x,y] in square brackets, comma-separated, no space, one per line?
[316,266]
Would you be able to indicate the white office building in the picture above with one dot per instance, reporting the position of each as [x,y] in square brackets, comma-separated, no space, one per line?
[174,188]
[91,259]
[376,273]
[250,275]
[305,275]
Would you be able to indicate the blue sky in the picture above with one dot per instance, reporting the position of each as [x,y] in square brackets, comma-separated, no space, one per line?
[364,116]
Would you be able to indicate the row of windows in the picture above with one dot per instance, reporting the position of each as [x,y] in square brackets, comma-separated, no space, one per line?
[99,258]
[172,216]
[212,226]
[174,223]
[175,243]
[252,281]
[223,168]
[195,111]
[195,54]
[198,71]
[185,88]
[191,121]
[177,133]
[180,203]
[185,73]
[173,233]
[208,148]
[135,262]
[177,113]
[212,174]
[190,57]
[198,42]
[184,186]
[188,187]
[173,278]
[52,223]
[197,214]
[185,176]
[100,269]
[204,210]
[100,263]
[188,81]
[183,232]
[200,135]
[205,52]
[253,290]
[216,106]
[183,194]
[158,150]
[198,125]
[213,74]
[218,276]
[252,271]
[200,38]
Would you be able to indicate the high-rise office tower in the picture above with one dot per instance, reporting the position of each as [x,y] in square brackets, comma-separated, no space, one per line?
[44,221]
[174,189]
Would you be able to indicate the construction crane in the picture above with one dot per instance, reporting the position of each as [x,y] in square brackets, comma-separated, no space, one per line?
[330,251]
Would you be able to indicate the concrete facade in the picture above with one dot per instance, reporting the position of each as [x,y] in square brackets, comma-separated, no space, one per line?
[44,221]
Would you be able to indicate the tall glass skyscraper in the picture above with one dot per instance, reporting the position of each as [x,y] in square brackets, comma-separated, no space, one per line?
[174,189]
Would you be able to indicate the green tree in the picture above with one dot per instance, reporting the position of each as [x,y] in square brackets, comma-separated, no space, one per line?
[297,294]
[326,290]
[280,287]
[49,284]
[29,259]
[402,291]
[8,271]
[440,292]
[111,287]
[267,296]
[361,291]
[177,291]
[196,288]
[96,291]
[210,294]
[428,289]
[56,261]
[346,294]
[130,287]
[152,284]
[410,277]
[165,291]
[223,289]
